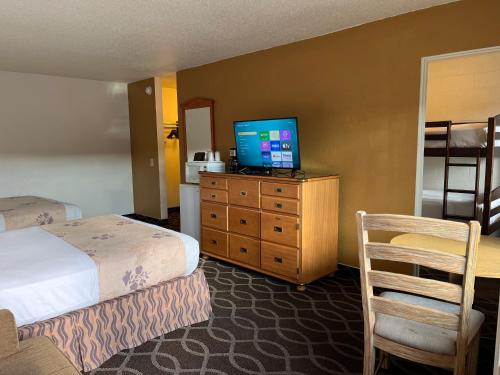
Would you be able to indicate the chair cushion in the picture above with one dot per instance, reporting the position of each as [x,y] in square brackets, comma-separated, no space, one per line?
[419,335]
[37,356]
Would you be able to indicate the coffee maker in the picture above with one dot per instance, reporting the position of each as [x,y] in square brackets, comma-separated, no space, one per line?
[233,161]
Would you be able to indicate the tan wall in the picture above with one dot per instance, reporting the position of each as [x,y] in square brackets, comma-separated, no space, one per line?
[144,147]
[356,94]
[462,89]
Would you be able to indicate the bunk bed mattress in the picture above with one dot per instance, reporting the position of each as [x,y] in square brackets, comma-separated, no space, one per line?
[43,276]
[469,135]
[458,204]
[27,211]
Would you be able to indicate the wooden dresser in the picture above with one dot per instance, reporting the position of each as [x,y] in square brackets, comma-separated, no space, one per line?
[283,227]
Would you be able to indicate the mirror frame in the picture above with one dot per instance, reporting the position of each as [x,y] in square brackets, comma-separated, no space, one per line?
[193,104]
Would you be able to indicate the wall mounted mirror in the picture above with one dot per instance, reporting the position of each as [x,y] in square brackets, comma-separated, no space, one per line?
[197,121]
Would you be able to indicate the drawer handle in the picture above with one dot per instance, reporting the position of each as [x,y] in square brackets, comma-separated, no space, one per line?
[213,242]
[278,260]
[278,205]
[278,229]
[243,250]
[213,183]
[213,216]
[243,222]
[214,196]
[278,190]
[243,193]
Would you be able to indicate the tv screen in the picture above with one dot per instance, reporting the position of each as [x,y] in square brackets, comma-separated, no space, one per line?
[270,143]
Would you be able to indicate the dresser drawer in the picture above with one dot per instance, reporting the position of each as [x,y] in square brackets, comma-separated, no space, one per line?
[214,215]
[280,229]
[280,190]
[214,195]
[244,193]
[213,182]
[244,221]
[244,249]
[290,206]
[214,241]
[279,259]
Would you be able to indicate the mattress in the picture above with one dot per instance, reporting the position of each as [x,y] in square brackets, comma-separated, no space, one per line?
[467,135]
[71,212]
[42,276]
[458,204]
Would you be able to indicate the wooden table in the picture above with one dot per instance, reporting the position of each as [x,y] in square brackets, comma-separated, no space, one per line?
[488,264]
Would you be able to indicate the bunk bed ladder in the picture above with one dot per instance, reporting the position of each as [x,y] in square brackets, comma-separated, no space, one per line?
[447,190]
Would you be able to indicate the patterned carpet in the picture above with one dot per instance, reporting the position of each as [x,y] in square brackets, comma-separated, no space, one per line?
[261,325]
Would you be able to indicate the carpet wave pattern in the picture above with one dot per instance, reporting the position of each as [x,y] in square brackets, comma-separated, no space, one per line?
[261,325]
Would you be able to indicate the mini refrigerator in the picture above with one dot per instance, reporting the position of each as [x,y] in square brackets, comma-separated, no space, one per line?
[190,210]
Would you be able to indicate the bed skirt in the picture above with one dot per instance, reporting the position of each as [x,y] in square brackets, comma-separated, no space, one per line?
[90,336]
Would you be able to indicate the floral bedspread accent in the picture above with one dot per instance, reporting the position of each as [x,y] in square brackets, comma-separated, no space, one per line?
[129,256]
[28,211]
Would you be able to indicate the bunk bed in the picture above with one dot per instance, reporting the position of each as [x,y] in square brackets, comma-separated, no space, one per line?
[476,140]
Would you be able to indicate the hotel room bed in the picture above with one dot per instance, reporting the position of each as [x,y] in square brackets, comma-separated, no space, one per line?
[458,204]
[101,285]
[465,135]
[28,211]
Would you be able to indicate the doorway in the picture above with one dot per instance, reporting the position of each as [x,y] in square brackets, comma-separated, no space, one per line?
[170,123]
[462,88]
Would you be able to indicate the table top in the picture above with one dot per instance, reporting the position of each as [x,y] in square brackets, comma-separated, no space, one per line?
[488,256]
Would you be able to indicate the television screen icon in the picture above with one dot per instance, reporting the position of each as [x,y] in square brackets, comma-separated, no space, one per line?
[274,135]
[286,146]
[285,135]
[275,146]
[286,156]
[276,156]
[266,157]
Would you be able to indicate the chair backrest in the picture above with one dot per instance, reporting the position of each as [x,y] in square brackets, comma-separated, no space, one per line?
[463,295]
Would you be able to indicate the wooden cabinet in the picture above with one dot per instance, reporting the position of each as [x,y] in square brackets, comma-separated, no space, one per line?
[283,227]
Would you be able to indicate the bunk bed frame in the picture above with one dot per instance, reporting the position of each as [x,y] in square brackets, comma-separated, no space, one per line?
[490,193]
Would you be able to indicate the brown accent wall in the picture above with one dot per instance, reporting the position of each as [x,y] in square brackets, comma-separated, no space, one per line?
[144,146]
[356,94]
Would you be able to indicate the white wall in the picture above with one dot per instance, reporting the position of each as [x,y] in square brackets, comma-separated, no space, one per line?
[462,89]
[66,139]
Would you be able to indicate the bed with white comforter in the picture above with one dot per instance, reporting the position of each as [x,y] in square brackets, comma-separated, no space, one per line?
[458,204]
[28,211]
[43,275]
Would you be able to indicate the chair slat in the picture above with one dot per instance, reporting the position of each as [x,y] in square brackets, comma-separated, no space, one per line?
[424,257]
[416,313]
[413,354]
[425,287]
[421,225]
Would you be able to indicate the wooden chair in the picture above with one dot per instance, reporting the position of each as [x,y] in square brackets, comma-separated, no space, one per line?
[420,326]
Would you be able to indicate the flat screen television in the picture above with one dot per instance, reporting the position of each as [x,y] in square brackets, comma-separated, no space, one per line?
[269,143]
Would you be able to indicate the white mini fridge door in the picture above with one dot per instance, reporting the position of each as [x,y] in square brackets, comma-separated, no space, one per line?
[190,210]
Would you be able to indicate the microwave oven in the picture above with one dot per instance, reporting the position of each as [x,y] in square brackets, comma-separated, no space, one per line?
[194,167]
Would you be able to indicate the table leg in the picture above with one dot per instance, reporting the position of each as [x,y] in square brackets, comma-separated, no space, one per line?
[496,364]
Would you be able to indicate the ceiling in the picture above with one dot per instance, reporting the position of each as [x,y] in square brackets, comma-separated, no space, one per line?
[128,40]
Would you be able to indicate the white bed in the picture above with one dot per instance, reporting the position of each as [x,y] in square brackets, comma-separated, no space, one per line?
[73,212]
[42,276]
[458,204]
[467,135]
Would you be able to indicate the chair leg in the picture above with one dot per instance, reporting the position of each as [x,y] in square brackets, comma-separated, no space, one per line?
[369,359]
[471,366]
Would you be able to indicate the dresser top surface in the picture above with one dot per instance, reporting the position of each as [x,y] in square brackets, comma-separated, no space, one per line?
[277,177]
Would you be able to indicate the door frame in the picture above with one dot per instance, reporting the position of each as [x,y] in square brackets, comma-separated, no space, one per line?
[421,114]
